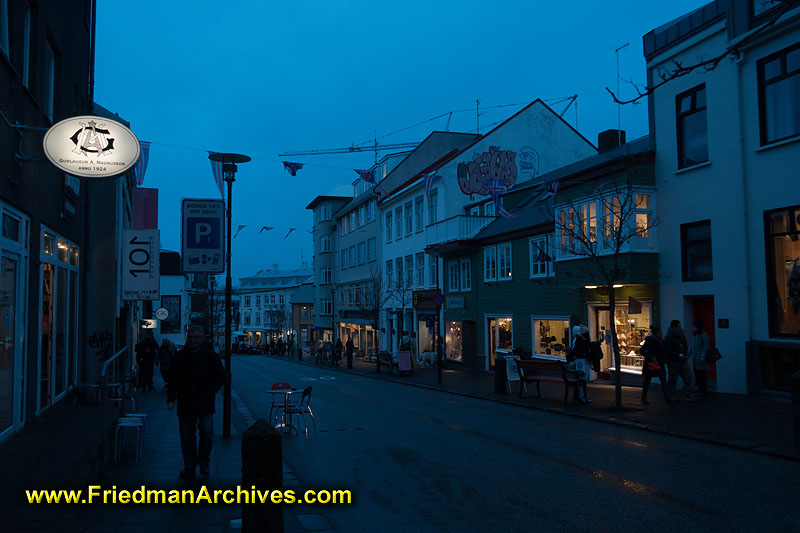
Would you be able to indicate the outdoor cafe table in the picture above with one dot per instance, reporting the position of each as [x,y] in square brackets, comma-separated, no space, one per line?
[286,395]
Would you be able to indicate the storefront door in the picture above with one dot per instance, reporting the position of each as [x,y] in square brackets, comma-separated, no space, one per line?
[499,333]
[632,328]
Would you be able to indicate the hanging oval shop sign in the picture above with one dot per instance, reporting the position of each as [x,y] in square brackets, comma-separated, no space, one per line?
[91,147]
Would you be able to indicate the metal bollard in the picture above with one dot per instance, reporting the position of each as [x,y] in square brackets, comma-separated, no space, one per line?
[262,467]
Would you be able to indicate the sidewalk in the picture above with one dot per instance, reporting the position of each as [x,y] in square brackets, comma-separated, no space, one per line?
[754,424]
[60,451]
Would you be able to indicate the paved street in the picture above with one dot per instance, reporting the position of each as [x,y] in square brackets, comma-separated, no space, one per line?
[430,461]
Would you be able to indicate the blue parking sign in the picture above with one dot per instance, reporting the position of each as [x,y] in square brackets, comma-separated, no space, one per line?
[203,232]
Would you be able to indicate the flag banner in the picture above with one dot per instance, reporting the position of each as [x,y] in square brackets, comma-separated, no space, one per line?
[366,175]
[543,257]
[429,179]
[290,232]
[265,228]
[145,208]
[291,168]
[495,190]
[241,227]
[141,166]
[216,169]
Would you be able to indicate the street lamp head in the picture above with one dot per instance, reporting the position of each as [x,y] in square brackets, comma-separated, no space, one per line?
[229,158]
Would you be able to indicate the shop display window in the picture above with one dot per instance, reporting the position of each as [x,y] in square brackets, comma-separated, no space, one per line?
[631,332]
[551,336]
[783,271]
[453,341]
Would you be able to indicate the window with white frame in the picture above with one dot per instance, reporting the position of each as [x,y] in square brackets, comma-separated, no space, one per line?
[353,221]
[343,259]
[504,261]
[389,272]
[398,222]
[272,299]
[326,211]
[326,244]
[453,282]
[490,263]
[247,301]
[488,209]
[433,205]
[247,318]
[352,256]
[388,227]
[327,307]
[345,222]
[419,261]
[550,336]
[258,301]
[362,252]
[362,215]
[432,270]
[326,274]
[398,266]
[281,299]
[258,317]
[612,221]
[371,249]
[541,257]
[409,271]
[418,213]
[409,212]
[643,214]
[475,211]
[371,211]
[588,226]
[466,274]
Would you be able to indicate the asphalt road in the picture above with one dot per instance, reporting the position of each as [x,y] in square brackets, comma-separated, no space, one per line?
[421,460]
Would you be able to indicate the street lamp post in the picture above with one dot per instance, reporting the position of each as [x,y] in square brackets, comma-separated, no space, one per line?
[229,162]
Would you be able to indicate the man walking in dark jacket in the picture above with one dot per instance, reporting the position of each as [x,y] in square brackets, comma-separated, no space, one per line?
[146,354]
[677,351]
[195,376]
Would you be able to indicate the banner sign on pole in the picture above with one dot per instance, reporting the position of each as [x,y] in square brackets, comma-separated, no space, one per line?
[141,250]
[202,236]
[145,208]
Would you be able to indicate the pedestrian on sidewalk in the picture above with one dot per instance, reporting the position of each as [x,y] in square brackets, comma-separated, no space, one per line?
[697,354]
[280,346]
[677,351]
[579,354]
[195,377]
[166,352]
[350,348]
[653,364]
[146,354]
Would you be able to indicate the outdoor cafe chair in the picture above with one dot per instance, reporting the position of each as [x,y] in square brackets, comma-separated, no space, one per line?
[279,402]
[301,409]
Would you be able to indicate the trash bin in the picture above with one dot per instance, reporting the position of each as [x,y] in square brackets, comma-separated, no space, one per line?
[500,376]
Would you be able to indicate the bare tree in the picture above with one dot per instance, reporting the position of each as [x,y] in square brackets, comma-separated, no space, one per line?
[401,293]
[603,238]
[678,69]
[374,297]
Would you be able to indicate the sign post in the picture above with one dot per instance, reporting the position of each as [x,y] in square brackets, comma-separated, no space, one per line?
[140,261]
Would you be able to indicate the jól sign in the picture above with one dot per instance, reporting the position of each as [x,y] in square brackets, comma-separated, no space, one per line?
[91,147]
[140,264]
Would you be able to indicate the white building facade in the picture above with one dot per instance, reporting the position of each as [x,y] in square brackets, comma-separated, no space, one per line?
[727,147]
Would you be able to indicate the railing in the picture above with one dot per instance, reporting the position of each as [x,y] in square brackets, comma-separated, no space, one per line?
[456,228]
[104,384]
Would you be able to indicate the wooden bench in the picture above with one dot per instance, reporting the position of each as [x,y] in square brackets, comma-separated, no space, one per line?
[532,371]
[385,358]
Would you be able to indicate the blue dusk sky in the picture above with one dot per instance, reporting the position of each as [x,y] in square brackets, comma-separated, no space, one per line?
[267,77]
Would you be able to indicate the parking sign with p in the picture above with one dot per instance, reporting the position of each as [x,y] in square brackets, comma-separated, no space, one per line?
[202,241]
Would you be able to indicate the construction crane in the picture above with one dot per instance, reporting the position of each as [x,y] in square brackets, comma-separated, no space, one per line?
[371,148]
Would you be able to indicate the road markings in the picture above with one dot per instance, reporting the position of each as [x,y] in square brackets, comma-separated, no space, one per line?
[327,378]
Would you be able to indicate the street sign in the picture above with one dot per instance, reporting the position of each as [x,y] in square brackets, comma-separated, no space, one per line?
[162,313]
[438,298]
[140,261]
[202,236]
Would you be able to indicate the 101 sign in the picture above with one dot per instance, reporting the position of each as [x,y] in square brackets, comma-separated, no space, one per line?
[140,264]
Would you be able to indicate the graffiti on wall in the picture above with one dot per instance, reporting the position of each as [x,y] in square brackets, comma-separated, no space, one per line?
[102,344]
[528,162]
[493,167]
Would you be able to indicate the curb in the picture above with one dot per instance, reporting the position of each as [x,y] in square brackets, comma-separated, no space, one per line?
[752,447]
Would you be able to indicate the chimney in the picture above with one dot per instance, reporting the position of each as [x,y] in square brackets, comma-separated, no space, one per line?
[606,140]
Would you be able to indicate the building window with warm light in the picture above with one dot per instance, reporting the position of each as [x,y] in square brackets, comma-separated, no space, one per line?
[783,271]
[550,336]
[453,340]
